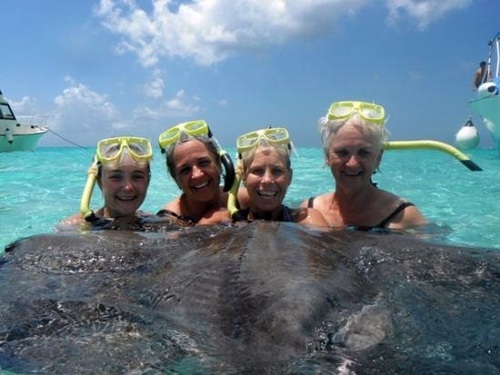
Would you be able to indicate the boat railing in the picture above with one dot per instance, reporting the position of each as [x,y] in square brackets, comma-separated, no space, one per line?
[33,120]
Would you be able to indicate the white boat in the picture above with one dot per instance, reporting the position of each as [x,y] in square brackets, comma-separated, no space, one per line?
[487,103]
[15,136]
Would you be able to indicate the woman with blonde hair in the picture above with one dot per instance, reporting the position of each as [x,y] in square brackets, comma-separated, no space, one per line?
[265,169]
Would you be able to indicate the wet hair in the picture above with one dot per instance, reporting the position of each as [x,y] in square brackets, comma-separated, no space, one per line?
[209,143]
[482,63]
[247,157]
[329,128]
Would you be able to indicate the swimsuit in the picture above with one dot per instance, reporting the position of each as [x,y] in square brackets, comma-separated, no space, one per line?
[243,215]
[187,219]
[382,225]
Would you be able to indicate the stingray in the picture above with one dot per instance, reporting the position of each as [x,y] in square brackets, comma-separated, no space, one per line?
[270,298]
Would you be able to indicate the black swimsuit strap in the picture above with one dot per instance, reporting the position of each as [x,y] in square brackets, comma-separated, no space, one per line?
[310,202]
[246,215]
[389,218]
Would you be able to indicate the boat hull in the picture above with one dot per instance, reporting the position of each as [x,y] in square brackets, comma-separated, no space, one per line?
[488,108]
[22,141]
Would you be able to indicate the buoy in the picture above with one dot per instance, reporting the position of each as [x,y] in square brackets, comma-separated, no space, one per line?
[487,89]
[467,137]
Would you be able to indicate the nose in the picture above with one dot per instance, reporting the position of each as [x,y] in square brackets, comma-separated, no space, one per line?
[267,177]
[197,172]
[352,161]
[128,184]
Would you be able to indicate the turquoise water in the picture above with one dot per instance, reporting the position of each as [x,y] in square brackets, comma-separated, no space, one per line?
[42,187]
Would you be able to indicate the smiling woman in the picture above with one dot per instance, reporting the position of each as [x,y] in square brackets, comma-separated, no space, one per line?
[353,135]
[265,169]
[194,160]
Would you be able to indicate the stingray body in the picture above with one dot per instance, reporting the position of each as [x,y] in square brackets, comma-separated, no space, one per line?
[270,298]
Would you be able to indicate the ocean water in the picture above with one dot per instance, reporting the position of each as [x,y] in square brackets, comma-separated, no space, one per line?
[40,188]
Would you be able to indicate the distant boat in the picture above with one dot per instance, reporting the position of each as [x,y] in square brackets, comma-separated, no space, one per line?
[15,136]
[487,103]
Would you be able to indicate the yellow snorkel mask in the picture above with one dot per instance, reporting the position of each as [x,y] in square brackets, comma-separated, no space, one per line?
[111,150]
[275,137]
[369,111]
[198,128]
[376,114]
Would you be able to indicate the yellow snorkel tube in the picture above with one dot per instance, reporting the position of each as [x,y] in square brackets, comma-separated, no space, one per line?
[433,145]
[85,210]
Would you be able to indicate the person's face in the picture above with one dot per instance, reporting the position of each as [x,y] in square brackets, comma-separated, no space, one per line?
[353,155]
[196,171]
[124,188]
[267,179]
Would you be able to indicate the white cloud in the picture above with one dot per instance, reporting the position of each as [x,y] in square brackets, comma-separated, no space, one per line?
[210,31]
[81,113]
[178,106]
[171,109]
[27,112]
[26,106]
[154,88]
[423,12]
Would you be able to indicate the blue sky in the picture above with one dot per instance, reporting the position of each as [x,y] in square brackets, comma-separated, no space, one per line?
[96,69]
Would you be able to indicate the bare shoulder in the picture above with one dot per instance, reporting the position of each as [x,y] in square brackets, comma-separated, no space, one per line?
[413,217]
[174,206]
[215,217]
[309,216]
[316,201]
[70,223]
[409,217]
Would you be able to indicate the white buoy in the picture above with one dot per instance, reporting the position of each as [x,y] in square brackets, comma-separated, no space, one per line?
[467,137]
[487,89]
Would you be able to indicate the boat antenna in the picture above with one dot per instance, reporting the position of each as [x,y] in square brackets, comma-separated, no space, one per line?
[487,72]
[497,44]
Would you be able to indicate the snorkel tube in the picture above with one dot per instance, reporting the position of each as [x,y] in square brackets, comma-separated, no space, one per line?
[227,163]
[434,145]
[229,175]
[85,210]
